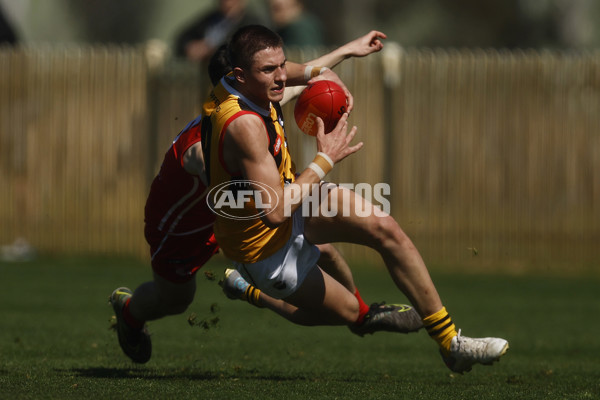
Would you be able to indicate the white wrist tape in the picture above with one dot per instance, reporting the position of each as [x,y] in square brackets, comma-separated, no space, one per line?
[308,72]
[321,164]
[318,170]
[326,157]
[311,71]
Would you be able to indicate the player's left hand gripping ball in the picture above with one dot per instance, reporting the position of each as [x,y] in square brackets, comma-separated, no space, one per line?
[323,99]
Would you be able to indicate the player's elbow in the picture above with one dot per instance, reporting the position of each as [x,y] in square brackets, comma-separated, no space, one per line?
[274,219]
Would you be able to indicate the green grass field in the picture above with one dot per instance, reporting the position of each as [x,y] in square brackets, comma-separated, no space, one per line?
[55,341]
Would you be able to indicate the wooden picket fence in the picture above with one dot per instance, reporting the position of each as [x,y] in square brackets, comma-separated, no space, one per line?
[492,157]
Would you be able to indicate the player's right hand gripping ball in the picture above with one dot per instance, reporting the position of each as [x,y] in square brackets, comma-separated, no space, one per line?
[324,99]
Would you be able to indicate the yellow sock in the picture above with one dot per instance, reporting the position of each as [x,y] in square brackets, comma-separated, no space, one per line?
[441,329]
[251,295]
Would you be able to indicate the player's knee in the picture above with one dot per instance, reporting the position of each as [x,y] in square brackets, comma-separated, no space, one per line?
[328,254]
[342,307]
[179,306]
[388,234]
[353,313]
[350,312]
[176,302]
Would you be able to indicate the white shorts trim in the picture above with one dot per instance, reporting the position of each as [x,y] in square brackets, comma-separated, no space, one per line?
[281,274]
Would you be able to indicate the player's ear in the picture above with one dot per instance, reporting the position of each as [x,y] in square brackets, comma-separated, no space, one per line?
[239,75]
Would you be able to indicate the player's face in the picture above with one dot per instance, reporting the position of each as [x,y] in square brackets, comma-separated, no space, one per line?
[265,81]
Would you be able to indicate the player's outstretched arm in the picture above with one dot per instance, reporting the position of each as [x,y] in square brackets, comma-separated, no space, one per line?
[360,47]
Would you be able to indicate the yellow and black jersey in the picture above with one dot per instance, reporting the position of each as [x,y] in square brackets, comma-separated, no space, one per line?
[240,232]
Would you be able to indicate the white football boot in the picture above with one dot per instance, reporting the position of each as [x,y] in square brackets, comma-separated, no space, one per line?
[466,352]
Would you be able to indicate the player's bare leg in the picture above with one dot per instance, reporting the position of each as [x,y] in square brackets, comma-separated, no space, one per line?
[320,300]
[380,231]
[158,298]
[378,317]
[151,300]
[332,262]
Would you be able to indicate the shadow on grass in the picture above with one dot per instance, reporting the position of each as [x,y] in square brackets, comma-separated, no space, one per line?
[132,373]
[170,374]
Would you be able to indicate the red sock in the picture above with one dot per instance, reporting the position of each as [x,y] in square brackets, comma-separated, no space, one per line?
[130,319]
[363,308]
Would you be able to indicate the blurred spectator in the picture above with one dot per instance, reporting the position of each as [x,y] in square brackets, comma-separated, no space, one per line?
[295,25]
[7,34]
[199,40]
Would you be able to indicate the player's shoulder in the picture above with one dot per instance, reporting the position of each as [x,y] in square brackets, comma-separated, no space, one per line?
[246,134]
[246,124]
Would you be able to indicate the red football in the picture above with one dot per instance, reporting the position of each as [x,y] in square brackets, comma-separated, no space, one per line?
[324,99]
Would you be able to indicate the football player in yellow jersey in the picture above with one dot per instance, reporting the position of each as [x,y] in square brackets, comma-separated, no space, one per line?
[379,316]
[287,269]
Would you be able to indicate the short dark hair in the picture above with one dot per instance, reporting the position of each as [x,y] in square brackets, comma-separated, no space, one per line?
[219,65]
[249,40]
